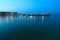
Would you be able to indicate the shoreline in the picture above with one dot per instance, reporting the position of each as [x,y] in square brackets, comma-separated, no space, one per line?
[20,14]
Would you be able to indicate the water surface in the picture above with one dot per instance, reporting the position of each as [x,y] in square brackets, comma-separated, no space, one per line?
[30,28]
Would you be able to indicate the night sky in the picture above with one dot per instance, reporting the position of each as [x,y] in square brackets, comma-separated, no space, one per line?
[51,6]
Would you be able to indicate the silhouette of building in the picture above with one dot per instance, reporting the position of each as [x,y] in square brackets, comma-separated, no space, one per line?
[8,13]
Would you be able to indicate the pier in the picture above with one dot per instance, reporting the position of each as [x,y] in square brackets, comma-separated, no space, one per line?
[34,14]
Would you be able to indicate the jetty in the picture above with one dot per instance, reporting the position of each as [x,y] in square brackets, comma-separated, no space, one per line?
[34,14]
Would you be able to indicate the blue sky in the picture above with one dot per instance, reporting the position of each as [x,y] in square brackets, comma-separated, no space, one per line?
[30,5]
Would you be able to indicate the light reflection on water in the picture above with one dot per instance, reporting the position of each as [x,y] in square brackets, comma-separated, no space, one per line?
[42,19]
[6,19]
[0,19]
[11,18]
[32,27]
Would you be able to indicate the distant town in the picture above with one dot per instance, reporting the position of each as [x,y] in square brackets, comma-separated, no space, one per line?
[20,14]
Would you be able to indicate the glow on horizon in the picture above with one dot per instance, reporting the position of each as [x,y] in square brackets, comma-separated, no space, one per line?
[30,5]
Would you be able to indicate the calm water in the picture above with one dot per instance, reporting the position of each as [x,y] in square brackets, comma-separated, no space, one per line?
[30,28]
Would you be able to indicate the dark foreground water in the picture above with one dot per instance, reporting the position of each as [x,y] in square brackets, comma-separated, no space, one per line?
[30,28]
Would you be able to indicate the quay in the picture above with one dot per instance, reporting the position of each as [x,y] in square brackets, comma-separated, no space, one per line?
[34,14]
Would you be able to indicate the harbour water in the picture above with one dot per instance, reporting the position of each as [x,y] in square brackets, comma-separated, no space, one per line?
[30,28]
